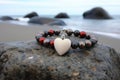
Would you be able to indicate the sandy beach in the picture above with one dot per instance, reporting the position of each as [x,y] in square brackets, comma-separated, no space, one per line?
[13,32]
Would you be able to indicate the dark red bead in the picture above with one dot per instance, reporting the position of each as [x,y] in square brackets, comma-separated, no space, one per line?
[41,40]
[37,37]
[51,32]
[82,34]
[52,43]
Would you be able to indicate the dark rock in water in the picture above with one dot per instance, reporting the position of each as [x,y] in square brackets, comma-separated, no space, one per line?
[62,15]
[49,21]
[5,18]
[30,61]
[30,15]
[59,22]
[96,13]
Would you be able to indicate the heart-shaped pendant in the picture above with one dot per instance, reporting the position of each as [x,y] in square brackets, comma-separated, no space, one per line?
[62,45]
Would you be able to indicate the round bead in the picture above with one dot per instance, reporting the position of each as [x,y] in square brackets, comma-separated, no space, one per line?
[69,32]
[94,41]
[88,36]
[57,33]
[82,34]
[45,34]
[74,45]
[51,32]
[81,45]
[52,43]
[88,43]
[46,42]
[76,33]
[37,37]
[41,40]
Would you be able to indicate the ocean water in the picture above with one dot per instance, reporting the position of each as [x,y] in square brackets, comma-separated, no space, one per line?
[104,27]
[76,22]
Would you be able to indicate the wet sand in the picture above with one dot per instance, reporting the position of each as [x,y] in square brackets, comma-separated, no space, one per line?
[13,32]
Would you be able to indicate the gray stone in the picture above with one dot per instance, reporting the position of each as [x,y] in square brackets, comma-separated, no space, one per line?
[5,18]
[62,15]
[30,15]
[30,61]
[48,21]
[96,13]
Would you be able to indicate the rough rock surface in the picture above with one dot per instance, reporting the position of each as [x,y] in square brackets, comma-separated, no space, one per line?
[62,15]
[4,18]
[48,21]
[30,61]
[96,13]
[30,15]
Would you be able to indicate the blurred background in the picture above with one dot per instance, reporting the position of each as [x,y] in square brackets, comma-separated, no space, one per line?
[52,7]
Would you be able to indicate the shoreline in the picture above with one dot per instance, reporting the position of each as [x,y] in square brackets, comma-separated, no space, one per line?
[12,32]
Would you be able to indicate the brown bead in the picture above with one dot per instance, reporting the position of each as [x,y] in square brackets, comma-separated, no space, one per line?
[88,43]
[69,32]
[81,45]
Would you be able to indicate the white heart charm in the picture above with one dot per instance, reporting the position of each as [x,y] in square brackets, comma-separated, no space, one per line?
[62,45]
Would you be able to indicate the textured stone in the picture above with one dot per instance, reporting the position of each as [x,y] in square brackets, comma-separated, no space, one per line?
[30,61]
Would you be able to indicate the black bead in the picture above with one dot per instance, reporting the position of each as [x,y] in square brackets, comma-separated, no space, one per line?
[76,33]
[74,45]
[88,37]
[45,34]
[57,33]
[69,32]
[46,42]
[94,41]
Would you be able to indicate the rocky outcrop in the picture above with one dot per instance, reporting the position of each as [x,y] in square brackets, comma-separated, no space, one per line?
[30,61]
[48,21]
[30,15]
[5,18]
[96,13]
[62,15]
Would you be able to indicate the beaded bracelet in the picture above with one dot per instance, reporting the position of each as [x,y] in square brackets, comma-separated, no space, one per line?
[63,44]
